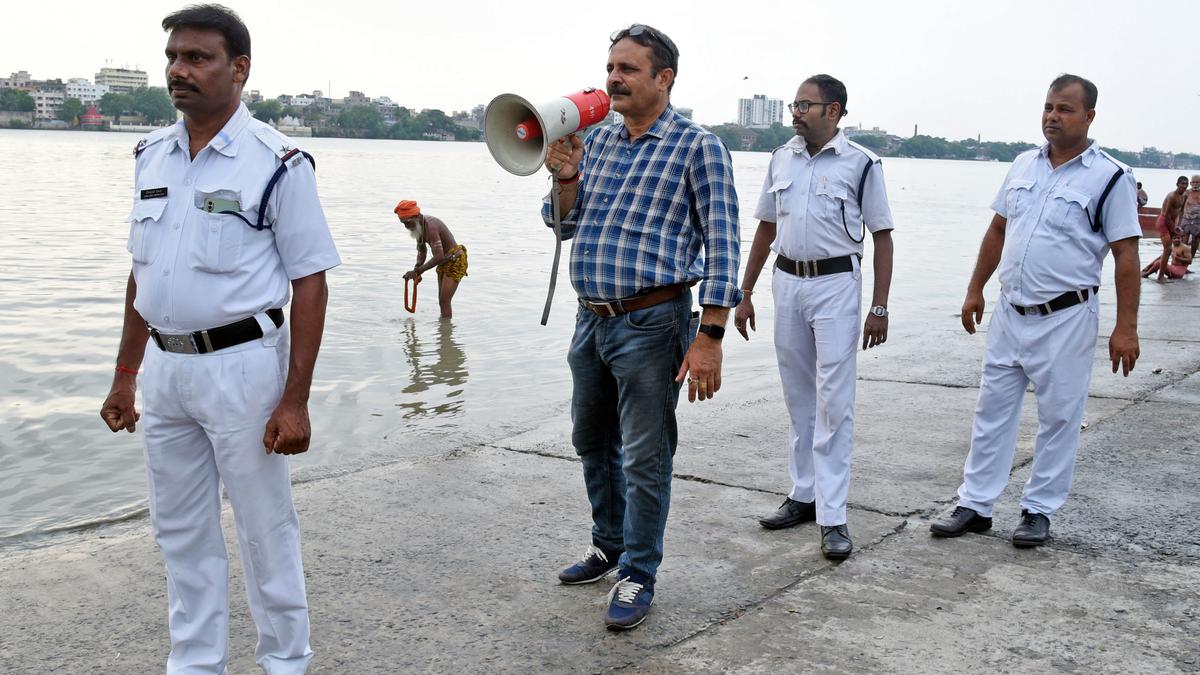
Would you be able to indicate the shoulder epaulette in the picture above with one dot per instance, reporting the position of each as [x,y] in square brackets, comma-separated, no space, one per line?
[864,150]
[281,146]
[150,139]
[1123,166]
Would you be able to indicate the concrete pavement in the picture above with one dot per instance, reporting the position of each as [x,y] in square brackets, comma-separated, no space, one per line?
[447,561]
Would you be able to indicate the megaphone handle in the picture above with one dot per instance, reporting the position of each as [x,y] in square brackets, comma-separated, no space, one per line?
[554,190]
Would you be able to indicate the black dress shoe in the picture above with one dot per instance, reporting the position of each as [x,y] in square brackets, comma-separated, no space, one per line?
[835,542]
[789,513]
[1033,530]
[960,522]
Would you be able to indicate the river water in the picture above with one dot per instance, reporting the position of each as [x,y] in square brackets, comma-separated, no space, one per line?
[388,384]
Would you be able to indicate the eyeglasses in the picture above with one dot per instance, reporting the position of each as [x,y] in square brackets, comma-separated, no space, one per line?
[803,106]
[638,30]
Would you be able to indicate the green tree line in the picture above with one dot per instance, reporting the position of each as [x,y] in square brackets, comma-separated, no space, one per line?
[365,121]
[15,100]
[153,103]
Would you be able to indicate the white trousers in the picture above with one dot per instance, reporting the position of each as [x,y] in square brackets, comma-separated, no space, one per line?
[204,420]
[1055,352]
[816,338]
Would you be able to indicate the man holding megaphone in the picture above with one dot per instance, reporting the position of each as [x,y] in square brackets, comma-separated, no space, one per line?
[641,200]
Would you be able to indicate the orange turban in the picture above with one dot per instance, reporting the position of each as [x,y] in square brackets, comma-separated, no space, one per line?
[407,209]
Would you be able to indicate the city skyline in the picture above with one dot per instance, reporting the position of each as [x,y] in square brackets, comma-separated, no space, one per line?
[955,73]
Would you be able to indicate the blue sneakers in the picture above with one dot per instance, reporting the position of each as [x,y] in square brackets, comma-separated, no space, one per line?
[595,565]
[629,601]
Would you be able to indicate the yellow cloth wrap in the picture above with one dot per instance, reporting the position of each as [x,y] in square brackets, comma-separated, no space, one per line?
[455,269]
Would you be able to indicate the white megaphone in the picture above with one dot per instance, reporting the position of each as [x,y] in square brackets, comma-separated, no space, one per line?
[519,132]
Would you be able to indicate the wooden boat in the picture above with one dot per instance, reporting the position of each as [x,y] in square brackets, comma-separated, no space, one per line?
[1147,218]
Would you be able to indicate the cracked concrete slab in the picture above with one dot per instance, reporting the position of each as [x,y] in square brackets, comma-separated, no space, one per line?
[905,459]
[441,556]
[954,359]
[1136,489]
[975,604]
[428,567]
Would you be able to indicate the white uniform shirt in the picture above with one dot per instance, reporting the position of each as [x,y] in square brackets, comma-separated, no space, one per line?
[198,270]
[1049,245]
[814,201]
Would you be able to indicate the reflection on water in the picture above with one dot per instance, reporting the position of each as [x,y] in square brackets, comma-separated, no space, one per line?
[439,372]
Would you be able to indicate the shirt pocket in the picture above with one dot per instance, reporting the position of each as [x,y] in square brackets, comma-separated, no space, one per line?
[780,192]
[1018,197]
[145,230]
[1070,211]
[217,238]
[829,203]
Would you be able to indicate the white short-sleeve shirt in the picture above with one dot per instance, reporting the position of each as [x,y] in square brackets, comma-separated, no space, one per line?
[1052,242]
[814,200]
[197,269]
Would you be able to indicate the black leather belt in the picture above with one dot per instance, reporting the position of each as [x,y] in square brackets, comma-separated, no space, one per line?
[1068,299]
[814,268]
[648,299]
[214,339]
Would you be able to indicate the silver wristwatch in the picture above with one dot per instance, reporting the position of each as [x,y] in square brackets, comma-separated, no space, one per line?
[879,310]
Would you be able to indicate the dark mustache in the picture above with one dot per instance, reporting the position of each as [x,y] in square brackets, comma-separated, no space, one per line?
[179,84]
[617,90]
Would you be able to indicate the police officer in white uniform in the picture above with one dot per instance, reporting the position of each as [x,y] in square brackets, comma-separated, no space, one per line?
[821,195]
[214,253]
[1060,209]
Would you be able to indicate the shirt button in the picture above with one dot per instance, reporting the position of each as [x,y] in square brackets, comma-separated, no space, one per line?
[166,273]
[187,181]
[166,317]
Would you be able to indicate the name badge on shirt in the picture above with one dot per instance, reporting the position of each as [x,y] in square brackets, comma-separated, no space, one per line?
[154,193]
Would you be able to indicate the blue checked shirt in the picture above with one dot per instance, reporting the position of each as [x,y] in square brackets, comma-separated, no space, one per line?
[644,209]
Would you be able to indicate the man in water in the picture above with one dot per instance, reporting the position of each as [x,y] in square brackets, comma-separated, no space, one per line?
[1059,212]
[449,257]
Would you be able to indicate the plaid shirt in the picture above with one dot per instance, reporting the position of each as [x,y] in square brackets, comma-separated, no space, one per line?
[645,208]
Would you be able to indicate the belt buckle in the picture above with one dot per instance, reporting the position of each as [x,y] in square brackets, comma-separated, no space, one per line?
[1044,309]
[811,265]
[607,307]
[179,344]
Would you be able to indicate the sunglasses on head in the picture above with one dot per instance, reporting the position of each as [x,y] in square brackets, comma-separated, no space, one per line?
[637,30]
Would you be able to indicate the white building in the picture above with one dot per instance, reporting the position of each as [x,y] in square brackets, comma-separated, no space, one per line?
[47,103]
[85,91]
[122,80]
[760,111]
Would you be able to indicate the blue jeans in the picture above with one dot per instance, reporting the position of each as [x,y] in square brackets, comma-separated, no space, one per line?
[623,410]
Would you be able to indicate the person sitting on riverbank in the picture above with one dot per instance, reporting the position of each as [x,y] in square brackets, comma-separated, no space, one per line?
[1181,258]
[449,257]
[1142,197]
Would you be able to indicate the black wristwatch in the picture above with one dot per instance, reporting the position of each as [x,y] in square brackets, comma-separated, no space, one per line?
[712,330]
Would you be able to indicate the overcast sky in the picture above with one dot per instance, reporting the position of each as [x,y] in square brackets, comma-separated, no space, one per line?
[957,69]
